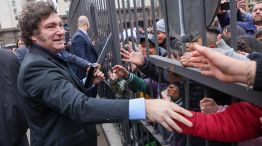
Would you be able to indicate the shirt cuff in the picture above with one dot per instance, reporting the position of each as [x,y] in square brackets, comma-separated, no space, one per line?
[137,109]
[83,81]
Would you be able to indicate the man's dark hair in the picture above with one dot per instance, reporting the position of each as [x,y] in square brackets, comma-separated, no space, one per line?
[32,14]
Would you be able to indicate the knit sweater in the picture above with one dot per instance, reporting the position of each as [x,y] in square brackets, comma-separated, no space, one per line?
[238,122]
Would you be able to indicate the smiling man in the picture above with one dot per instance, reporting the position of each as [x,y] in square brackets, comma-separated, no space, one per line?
[58,110]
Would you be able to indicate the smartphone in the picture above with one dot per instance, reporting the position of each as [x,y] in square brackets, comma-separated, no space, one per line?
[90,76]
[224,6]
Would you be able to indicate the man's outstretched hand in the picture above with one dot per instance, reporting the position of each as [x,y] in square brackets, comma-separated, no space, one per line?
[166,112]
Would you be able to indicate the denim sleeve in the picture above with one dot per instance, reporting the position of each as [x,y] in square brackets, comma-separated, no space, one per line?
[137,109]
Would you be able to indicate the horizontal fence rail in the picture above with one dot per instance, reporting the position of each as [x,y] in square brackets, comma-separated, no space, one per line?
[236,90]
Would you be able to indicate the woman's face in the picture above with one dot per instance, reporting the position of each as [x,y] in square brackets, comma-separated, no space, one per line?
[161,36]
[20,44]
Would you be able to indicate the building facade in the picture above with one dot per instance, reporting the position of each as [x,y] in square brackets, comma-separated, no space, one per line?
[9,32]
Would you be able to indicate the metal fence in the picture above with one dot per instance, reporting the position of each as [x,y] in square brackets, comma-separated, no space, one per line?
[115,21]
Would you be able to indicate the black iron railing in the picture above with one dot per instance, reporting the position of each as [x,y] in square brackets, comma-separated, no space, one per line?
[113,21]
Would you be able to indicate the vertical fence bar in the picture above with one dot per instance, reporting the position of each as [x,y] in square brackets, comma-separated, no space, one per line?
[114,28]
[103,21]
[131,24]
[145,27]
[136,22]
[167,31]
[142,133]
[154,25]
[204,42]
[124,13]
[233,23]
[120,20]
[187,105]
[99,16]
[203,23]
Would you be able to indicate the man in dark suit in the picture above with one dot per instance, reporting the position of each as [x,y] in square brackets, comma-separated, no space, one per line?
[82,46]
[58,110]
[12,118]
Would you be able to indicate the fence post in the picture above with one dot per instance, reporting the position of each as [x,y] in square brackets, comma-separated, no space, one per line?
[115,32]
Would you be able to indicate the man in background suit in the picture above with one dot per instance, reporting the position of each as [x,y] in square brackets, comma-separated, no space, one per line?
[12,117]
[82,46]
[58,110]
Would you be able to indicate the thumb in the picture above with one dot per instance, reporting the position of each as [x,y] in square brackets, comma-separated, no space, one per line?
[140,50]
[219,37]
[202,50]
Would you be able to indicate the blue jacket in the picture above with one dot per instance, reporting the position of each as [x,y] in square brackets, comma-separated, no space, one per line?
[246,24]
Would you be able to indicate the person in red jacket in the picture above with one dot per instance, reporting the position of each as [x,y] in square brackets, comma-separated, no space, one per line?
[238,122]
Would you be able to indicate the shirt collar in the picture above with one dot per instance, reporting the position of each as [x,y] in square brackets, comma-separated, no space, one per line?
[83,31]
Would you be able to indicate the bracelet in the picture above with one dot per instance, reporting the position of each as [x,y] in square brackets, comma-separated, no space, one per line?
[248,75]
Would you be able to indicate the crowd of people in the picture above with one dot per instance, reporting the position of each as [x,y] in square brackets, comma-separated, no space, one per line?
[50,87]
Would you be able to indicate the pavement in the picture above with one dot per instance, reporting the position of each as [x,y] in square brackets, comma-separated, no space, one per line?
[102,139]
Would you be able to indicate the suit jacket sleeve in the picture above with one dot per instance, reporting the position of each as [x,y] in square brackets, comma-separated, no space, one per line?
[237,123]
[13,122]
[48,85]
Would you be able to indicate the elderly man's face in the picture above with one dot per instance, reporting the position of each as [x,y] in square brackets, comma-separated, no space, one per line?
[50,34]
[257,14]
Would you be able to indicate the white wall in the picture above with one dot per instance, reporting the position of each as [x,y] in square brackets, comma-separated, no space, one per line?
[8,16]
[9,10]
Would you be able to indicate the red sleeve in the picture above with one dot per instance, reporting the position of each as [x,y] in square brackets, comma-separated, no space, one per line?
[238,122]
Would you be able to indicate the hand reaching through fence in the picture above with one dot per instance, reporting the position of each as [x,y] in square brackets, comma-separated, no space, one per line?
[208,105]
[222,67]
[185,60]
[120,71]
[167,113]
[133,57]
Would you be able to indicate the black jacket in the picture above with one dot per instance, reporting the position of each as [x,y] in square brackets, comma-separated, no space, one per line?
[13,122]
[57,108]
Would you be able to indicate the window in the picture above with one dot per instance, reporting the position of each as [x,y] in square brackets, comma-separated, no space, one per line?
[138,3]
[14,3]
[15,11]
[2,44]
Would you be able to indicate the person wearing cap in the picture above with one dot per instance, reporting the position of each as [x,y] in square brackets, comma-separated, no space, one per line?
[151,43]
[161,35]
